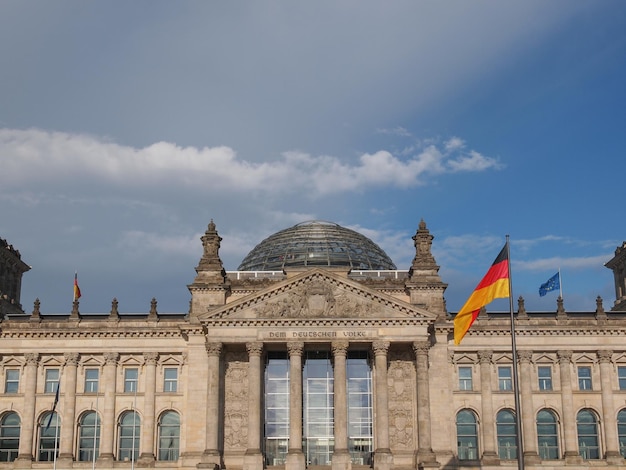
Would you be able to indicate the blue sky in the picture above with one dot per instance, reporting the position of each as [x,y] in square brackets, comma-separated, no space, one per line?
[125,127]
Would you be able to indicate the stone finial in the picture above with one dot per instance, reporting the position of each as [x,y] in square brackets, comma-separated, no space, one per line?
[115,314]
[36,315]
[75,315]
[482,314]
[521,309]
[210,260]
[600,313]
[424,259]
[153,310]
[560,310]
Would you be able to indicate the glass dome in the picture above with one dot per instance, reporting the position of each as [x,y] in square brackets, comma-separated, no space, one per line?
[316,243]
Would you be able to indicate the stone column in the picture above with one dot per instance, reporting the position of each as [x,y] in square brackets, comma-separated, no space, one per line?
[148,431]
[383,459]
[341,457]
[613,456]
[109,375]
[295,456]
[527,413]
[253,459]
[211,455]
[425,455]
[25,452]
[490,456]
[567,403]
[66,440]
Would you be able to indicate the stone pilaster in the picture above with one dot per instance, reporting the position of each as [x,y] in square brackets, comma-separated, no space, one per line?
[608,409]
[295,457]
[425,455]
[108,414]
[69,407]
[341,457]
[383,458]
[211,455]
[148,422]
[527,413]
[253,459]
[490,456]
[25,452]
[567,403]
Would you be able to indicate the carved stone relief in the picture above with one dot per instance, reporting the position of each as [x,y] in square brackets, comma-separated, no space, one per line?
[315,300]
[401,387]
[236,403]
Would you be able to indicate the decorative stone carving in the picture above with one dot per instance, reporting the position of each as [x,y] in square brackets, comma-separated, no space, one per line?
[605,356]
[295,348]
[71,358]
[525,356]
[485,356]
[236,403]
[151,358]
[340,348]
[111,358]
[314,300]
[401,389]
[380,347]
[32,359]
[213,349]
[564,356]
[254,349]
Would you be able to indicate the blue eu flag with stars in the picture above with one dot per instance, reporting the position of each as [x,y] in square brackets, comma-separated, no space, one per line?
[551,284]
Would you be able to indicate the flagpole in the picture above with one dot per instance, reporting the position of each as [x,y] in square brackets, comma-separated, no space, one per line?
[56,436]
[132,463]
[560,284]
[518,417]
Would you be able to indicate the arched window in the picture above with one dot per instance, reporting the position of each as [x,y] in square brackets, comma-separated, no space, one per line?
[129,431]
[621,432]
[507,434]
[169,436]
[547,435]
[467,435]
[89,437]
[588,442]
[49,435]
[9,437]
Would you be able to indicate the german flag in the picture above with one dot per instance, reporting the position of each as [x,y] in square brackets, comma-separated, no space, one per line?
[494,285]
[76,288]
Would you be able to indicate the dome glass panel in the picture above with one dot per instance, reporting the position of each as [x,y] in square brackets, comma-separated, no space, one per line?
[316,243]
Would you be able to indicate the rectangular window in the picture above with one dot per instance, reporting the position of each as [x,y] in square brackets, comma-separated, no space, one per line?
[12,381]
[130,380]
[584,378]
[465,378]
[545,377]
[91,380]
[170,379]
[52,381]
[621,377]
[505,378]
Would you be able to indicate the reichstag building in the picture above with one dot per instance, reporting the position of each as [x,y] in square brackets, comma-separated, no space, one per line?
[318,353]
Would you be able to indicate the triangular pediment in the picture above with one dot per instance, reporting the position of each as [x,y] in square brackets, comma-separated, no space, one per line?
[318,295]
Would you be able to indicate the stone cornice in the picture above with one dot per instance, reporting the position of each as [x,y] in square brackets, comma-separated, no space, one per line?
[315,322]
[77,332]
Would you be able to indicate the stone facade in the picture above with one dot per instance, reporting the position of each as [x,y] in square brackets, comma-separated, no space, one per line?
[210,388]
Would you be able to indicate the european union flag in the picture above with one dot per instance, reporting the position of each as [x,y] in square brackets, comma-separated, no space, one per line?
[551,284]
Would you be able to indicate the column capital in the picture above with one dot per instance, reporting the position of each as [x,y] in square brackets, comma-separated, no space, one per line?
[71,358]
[605,356]
[151,358]
[421,347]
[111,358]
[564,356]
[485,356]
[295,348]
[255,348]
[340,348]
[525,356]
[32,359]
[213,348]
[380,347]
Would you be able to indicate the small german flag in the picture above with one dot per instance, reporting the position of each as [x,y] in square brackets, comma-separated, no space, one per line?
[494,285]
[76,288]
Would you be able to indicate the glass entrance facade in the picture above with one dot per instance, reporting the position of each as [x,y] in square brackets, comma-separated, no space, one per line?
[318,402]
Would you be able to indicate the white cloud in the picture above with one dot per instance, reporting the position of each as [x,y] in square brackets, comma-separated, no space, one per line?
[36,157]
